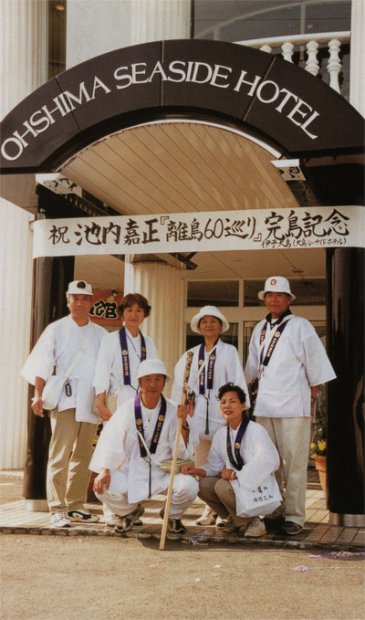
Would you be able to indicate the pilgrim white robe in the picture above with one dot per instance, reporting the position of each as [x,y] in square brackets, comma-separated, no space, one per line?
[118,450]
[258,453]
[57,348]
[227,368]
[298,362]
[109,376]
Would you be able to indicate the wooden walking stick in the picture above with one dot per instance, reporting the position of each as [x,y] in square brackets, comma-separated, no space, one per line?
[189,359]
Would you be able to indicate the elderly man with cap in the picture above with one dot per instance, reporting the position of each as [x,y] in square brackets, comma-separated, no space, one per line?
[214,363]
[68,349]
[139,436]
[290,363]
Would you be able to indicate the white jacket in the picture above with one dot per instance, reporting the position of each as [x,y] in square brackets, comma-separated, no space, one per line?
[298,362]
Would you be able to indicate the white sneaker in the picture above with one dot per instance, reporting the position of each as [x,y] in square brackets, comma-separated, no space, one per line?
[256,528]
[82,516]
[60,519]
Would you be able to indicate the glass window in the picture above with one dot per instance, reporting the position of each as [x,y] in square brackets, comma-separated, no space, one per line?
[213,293]
[239,20]
[308,292]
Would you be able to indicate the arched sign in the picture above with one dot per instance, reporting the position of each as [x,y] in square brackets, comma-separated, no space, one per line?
[267,96]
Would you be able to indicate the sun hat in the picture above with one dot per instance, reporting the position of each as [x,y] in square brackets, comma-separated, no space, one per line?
[79,287]
[276,284]
[208,311]
[152,366]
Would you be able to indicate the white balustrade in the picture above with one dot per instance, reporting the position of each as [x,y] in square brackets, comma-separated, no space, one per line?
[311,44]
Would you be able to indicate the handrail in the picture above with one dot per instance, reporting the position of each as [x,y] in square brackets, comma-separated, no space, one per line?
[298,39]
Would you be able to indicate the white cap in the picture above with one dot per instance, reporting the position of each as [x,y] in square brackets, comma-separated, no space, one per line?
[276,284]
[79,287]
[208,311]
[152,366]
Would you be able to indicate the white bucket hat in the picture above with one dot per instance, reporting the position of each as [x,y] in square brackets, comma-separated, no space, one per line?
[208,311]
[276,284]
[152,366]
[79,287]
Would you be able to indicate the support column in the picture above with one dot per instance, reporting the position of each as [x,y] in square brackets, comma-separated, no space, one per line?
[51,276]
[23,51]
[164,288]
[345,446]
[357,75]
[155,20]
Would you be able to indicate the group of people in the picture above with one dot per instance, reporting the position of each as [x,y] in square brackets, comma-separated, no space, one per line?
[225,449]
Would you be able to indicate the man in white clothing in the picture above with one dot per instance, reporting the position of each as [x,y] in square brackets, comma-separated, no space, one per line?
[68,348]
[139,436]
[288,358]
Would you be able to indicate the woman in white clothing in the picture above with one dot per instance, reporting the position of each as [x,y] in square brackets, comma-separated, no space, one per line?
[121,353]
[240,451]
[214,363]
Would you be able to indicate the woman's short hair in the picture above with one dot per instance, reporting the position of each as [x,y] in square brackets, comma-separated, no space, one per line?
[230,387]
[134,298]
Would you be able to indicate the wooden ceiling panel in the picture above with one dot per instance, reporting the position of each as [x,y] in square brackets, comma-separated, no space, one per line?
[175,167]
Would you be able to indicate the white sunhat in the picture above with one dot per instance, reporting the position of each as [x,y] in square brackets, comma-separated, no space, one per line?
[276,284]
[79,287]
[208,311]
[152,366]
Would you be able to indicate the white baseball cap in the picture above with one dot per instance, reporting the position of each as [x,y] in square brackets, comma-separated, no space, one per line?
[152,366]
[208,311]
[276,284]
[79,287]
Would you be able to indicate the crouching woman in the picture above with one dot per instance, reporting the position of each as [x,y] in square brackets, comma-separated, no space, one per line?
[241,451]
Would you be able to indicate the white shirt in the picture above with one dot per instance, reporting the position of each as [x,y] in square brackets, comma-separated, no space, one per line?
[258,452]
[118,450]
[298,362]
[58,346]
[227,368]
[109,367]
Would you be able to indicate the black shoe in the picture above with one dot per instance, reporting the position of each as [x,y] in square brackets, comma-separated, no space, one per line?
[124,524]
[275,524]
[289,528]
[174,526]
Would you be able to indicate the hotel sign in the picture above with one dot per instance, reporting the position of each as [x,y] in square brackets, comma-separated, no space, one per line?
[224,82]
[256,229]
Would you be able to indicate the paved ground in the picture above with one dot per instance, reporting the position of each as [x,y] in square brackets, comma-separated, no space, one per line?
[317,534]
[88,573]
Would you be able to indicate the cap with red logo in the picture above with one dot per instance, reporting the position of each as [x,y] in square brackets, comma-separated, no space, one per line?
[276,284]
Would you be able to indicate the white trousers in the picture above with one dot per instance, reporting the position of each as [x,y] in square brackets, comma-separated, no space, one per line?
[291,436]
[184,492]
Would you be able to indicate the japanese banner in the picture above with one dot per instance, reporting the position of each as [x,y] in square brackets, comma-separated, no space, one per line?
[214,231]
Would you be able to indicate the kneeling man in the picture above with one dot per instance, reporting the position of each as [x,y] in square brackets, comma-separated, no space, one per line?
[127,457]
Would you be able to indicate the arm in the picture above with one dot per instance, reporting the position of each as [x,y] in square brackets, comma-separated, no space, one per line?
[37,402]
[104,412]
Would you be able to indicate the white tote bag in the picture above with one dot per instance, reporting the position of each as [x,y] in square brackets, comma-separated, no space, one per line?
[52,391]
[260,501]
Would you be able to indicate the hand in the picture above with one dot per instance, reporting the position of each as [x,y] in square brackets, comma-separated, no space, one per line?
[182,412]
[102,481]
[188,470]
[104,412]
[37,406]
[228,474]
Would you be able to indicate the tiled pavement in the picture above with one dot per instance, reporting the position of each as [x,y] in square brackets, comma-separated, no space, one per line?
[14,518]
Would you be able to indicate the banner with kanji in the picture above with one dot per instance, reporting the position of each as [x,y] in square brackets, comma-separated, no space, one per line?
[214,231]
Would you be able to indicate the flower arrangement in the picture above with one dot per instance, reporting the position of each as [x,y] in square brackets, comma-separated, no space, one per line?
[318,443]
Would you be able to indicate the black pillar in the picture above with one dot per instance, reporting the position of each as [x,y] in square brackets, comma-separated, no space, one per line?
[51,276]
[345,445]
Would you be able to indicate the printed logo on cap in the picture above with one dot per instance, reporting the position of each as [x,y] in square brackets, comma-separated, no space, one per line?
[273,281]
